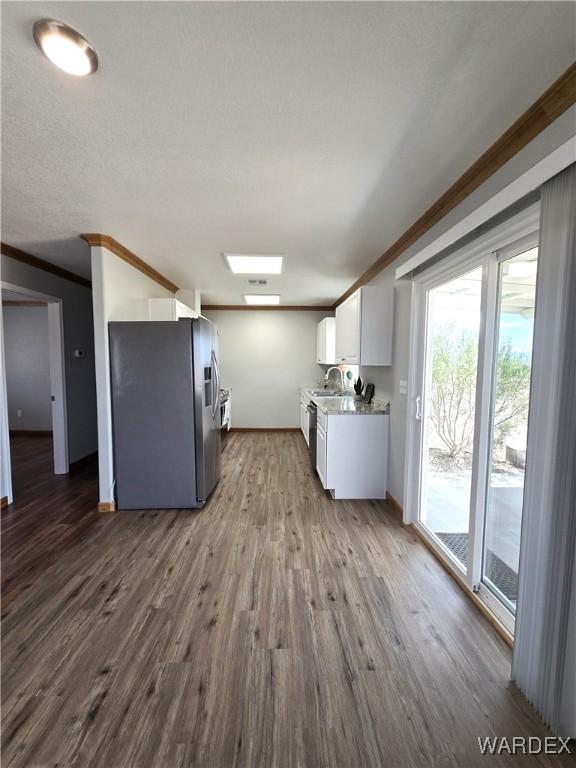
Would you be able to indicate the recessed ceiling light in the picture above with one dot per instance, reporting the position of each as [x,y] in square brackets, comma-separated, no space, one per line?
[249,264]
[65,47]
[266,299]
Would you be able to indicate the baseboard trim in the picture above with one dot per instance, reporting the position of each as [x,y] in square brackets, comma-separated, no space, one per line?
[31,433]
[3,502]
[265,429]
[107,506]
[501,630]
[79,463]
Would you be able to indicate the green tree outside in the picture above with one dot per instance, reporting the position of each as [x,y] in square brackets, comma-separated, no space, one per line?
[453,395]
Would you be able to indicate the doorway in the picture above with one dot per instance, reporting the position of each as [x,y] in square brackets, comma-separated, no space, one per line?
[50,505]
[473,324]
[34,361]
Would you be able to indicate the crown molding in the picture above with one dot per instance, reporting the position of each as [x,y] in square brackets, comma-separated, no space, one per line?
[552,103]
[269,308]
[112,245]
[33,261]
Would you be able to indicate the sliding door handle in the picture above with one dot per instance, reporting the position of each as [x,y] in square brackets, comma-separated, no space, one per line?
[418,414]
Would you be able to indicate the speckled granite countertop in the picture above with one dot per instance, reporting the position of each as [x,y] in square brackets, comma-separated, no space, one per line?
[347,405]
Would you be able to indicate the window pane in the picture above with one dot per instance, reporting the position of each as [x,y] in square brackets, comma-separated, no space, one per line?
[450,398]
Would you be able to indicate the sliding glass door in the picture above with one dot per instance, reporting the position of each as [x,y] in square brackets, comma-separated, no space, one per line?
[451,370]
[473,321]
[509,425]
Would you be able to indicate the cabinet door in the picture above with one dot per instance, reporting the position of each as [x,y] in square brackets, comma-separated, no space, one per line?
[304,420]
[348,330]
[321,342]
[330,341]
[321,454]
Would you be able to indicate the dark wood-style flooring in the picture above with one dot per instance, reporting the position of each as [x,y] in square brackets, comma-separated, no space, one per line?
[274,627]
[50,513]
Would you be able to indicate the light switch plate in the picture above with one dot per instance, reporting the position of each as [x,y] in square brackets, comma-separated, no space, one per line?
[403,387]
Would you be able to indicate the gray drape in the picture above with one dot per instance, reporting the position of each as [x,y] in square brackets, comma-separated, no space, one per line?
[544,658]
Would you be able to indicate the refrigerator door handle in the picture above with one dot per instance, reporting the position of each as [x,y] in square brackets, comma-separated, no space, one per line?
[217,369]
[216,385]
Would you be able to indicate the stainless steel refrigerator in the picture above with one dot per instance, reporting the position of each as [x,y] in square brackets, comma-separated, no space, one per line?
[165,412]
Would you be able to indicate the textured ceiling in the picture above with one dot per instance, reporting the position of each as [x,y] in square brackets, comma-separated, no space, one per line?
[317,130]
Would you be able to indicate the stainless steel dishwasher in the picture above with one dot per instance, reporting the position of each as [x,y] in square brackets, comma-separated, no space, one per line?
[312,420]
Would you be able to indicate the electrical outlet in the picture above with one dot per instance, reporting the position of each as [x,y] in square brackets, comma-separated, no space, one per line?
[19,413]
[403,387]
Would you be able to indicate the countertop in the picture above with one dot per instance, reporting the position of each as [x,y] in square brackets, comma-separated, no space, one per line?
[347,405]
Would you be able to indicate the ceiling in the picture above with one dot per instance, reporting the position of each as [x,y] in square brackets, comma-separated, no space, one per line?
[317,130]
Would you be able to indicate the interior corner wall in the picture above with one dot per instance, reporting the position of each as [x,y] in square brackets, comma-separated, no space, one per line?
[191,298]
[120,292]
[386,379]
[266,357]
[78,334]
[27,359]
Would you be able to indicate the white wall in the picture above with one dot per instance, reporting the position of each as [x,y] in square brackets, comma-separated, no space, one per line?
[266,356]
[120,292]
[78,334]
[26,351]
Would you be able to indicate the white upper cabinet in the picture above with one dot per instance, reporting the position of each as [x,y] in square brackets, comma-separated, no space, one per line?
[348,319]
[364,327]
[326,341]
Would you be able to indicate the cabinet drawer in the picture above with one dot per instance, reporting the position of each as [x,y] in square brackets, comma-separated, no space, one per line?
[322,420]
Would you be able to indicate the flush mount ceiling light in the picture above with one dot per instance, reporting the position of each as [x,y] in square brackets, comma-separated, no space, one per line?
[249,264]
[263,299]
[65,47]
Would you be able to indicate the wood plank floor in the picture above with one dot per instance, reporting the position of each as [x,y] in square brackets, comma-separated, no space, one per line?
[274,627]
[50,513]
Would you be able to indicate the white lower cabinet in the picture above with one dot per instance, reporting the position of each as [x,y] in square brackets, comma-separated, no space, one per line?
[321,454]
[352,455]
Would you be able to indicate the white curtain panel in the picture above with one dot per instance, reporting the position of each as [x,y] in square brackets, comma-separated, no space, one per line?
[544,658]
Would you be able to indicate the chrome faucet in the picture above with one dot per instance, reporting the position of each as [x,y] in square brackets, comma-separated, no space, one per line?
[340,371]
